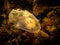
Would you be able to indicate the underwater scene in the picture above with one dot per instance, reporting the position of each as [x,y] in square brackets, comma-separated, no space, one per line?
[29,22]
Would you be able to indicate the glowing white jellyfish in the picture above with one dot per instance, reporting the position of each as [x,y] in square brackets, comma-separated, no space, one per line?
[23,19]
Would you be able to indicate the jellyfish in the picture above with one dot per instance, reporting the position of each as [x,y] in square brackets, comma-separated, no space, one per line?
[23,19]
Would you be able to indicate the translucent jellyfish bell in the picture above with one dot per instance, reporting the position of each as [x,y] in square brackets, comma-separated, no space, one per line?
[23,19]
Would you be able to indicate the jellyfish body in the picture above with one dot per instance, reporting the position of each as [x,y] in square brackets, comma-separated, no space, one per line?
[23,19]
